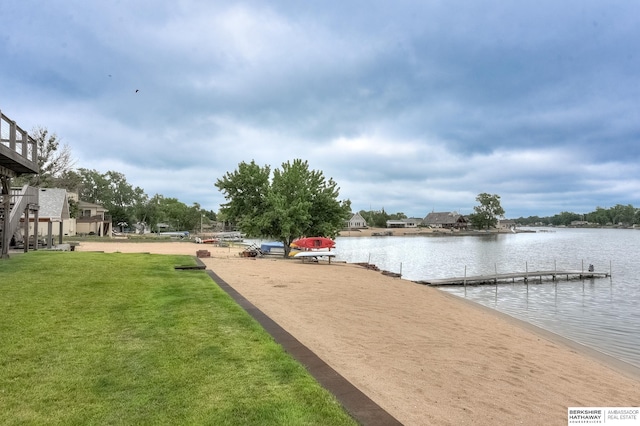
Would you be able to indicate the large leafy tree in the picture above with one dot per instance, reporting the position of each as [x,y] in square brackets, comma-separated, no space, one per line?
[112,190]
[487,212]
[148,213]
[178,215]
[624,215]
[94,187]
[69,180]
[297,202]
[246,190]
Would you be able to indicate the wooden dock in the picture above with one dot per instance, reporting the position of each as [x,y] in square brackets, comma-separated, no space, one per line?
[513,276]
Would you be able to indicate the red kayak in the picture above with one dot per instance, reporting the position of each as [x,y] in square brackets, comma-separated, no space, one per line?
[314,243]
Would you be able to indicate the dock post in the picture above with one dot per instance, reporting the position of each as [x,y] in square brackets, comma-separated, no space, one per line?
[465,275]
[495,273]
[610,274]
[526,271]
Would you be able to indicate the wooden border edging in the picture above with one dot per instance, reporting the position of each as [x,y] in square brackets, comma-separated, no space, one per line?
[364,410]
[188,267]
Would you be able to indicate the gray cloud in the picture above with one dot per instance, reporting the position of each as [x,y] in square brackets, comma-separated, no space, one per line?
[408,106]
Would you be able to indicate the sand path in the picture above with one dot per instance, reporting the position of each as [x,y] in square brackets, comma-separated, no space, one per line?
[423,355]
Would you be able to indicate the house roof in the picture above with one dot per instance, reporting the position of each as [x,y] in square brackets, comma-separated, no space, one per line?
[412,220]
[443,218]
[357,216]
[53,204]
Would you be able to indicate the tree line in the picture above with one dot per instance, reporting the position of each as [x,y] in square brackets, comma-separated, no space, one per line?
[379,218]
[292,201]
[127,205]
[618,215]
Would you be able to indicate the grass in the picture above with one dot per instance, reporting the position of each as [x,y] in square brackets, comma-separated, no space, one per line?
[95,338]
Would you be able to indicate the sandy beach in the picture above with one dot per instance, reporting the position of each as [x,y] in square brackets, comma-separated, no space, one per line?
[425,356]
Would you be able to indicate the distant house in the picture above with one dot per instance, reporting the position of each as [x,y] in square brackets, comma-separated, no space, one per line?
[412,222]
[53,208]
[396,224]
[356,222]
[403,223]
[93,220]
[506,224]
[579,223]
[445,220]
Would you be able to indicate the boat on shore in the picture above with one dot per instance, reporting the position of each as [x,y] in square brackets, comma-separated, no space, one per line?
[314,256]
[220,238]
[175,234]
[273,247]
[313,243]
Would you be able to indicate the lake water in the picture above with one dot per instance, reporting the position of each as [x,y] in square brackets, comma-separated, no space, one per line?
[602,313]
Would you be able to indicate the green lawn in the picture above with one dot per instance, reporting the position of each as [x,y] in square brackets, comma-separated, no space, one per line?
[95,338]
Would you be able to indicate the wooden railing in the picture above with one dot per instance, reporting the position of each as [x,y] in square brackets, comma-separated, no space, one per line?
[19,144]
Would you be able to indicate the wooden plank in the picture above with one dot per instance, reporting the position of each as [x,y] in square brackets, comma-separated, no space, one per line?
[189,267]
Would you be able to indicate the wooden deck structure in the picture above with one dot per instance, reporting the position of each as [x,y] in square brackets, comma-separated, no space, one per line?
[18,156]
[18,150]
[513,276]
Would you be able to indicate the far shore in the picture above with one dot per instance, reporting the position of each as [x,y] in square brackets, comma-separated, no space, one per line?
[417,231]
[425,356]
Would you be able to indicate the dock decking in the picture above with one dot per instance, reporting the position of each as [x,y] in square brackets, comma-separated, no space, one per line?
[513,276]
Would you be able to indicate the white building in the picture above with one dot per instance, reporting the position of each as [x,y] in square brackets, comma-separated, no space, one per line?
[356,222]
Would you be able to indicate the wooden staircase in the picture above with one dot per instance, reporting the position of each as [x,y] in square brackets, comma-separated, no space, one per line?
[18,156]
[19,201]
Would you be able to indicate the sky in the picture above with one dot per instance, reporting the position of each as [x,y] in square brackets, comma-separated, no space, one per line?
[411,106]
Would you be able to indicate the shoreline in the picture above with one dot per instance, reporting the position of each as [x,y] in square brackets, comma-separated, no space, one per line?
[623,367]
[424,355]
[371,232]
[420,232]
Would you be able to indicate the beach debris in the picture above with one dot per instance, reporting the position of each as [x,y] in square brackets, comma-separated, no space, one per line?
[203,253]
[373,267]
[366,265]
[251,251]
